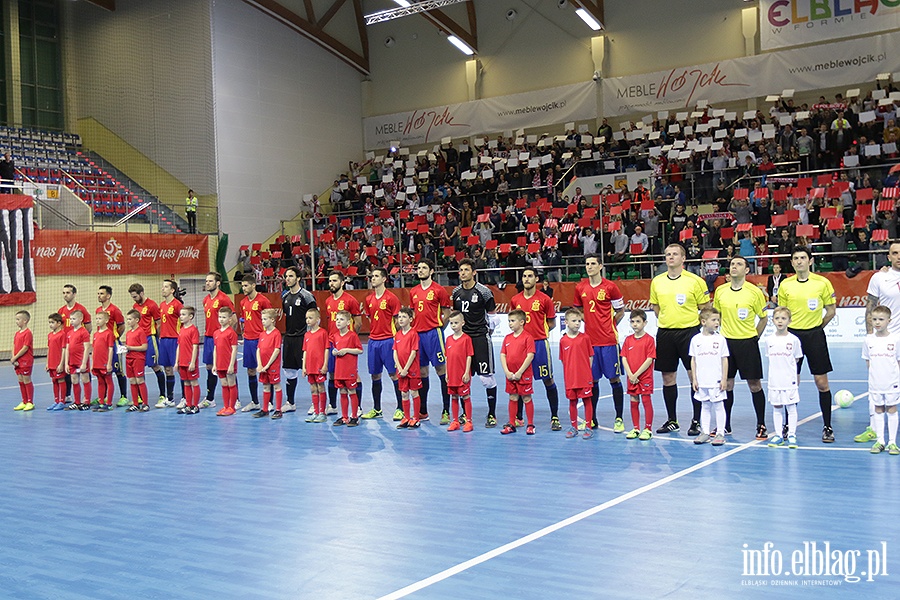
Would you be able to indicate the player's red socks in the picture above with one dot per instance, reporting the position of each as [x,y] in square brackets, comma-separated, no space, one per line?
[101,388]
[87,391]
[76,391]
[648,410]
[278,399]
[467,406]
[135,394]
[513,409]
[144,394]
[345,405]
[573,412]
[29,391]
[24,391]
[354,404]
[406,410]
[636,414]
[454,407]
[417,408]
[267,395]
[588,411]
[529,412]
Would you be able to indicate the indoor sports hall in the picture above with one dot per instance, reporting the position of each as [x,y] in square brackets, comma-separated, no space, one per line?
[201,153]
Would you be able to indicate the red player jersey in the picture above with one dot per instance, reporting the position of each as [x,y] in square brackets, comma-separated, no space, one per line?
[24,338]
[135,337]
[346,366]
[225,341]
[599,304]
[538,309]
[169,325]
[211,306]
[56,341]
[343,302]
[314,345]
[404,345]
[116,318]
[149,315]
[458,351]
[516,349]
[575,354]
[188,338]
[269,342]
[102,345]
[252,313]
[66,312]
[636,351]
[381,313]
[75,340]
[427,303]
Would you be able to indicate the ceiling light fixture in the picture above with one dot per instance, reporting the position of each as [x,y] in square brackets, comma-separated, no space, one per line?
[463,47]
[587,18]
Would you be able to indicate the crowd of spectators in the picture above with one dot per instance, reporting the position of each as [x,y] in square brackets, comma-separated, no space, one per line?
[722,183]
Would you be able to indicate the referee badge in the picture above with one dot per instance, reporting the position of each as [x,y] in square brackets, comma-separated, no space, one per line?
[812,303]
[743,313]
[680,299]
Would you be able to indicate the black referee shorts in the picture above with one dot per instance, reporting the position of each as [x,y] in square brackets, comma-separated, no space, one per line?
[482,355]
[292,352]
[673,345]
[744,356]
[815,348]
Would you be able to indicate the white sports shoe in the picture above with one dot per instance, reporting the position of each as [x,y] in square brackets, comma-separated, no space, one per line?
[288,407]
[312,409]
[331,410]
[237,405]
[181,404]
[170,404]
[250,407]
[208,403]
[161,403]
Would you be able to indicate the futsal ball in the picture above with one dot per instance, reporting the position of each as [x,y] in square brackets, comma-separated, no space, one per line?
[844,398]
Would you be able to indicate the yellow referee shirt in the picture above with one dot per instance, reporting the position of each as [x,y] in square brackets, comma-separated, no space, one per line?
[806,299]
[678,299]
[739,309]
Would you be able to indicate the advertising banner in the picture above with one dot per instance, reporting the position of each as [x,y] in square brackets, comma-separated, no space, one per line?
[17,284]
[823,66]
[490,115]
[92,253]
[785,23]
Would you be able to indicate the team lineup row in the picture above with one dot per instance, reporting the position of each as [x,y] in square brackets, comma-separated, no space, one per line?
[163,337]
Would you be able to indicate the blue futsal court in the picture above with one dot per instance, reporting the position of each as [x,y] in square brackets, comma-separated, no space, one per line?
[160,505]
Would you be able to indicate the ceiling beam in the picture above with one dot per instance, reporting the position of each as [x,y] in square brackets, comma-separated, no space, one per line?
[447,24]
[107,4]
[332,10]
[310,14]
[315,33]
[593,7]
[361,28]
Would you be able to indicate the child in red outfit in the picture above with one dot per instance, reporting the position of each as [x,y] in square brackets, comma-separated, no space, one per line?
[225,360]
[406,360]
[77,355]
[576,353]
[315,364]
[56,343]
[459,353]
[638,353]
[135,361]
[23,360]
[516,356]
[268,359]
[188,355]
[103,345]
[346,348]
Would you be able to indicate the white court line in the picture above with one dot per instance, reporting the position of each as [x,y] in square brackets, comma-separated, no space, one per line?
[472,562]
[464,566]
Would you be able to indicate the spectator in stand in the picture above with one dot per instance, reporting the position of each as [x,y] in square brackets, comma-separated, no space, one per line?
[515,262]
[838,240]
[8,174]
[618,250]
[747,249]
[742,211]
[678,221]
[785,245]
[588,241]
[694,254]
[552,264]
